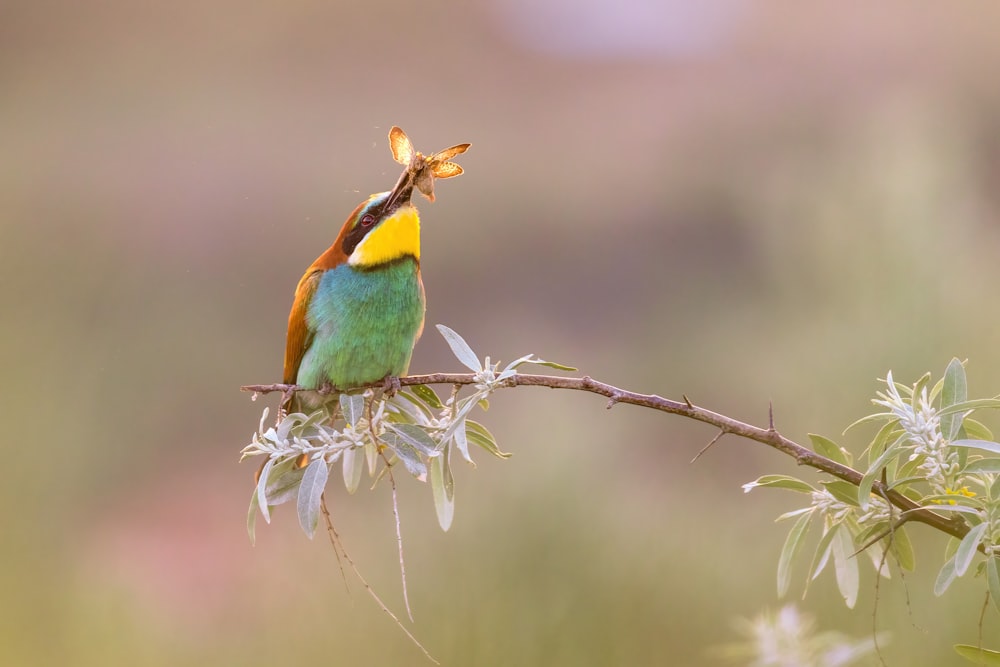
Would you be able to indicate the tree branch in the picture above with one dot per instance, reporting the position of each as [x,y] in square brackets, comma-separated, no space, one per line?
[953,526]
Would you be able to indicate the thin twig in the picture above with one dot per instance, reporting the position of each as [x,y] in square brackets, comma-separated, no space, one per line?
[371,591]
[953,526]
[710,443]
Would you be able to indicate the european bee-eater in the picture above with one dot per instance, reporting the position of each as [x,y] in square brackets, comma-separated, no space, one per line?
[359,308]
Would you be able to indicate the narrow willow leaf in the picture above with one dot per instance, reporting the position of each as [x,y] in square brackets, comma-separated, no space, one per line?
[945,576]
[981,466]
[283,484]
[985,445]
[980,656]
[427,395]
[462,442]
[371,456]
[822,555]
[843,491]
[354,465]
[265,473]
[878,416]
[310,495]
[967,548]
[463,408]
[974,404]
[778,482]
[552,364]
[953,391]
[918,390]
[975,430]
[903,549]
[793,544]
[877,445]
[460,349]
[409,409]
[443,490]
[846,566]
[828,448]
[958,504]
[874,472]
[408,454]
[252,518]
[353,408]
[993,579]
[415,436]
[480,436]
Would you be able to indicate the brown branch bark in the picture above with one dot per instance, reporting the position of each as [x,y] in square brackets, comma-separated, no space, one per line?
[953,526]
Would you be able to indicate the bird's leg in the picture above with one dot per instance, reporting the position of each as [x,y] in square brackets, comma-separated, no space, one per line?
[390,385]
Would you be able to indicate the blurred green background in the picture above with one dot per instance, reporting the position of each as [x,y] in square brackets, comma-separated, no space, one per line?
[740,201]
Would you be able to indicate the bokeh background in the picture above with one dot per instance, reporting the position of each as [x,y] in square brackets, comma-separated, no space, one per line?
[741,201]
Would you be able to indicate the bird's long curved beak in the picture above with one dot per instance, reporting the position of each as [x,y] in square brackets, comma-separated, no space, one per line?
[400,194]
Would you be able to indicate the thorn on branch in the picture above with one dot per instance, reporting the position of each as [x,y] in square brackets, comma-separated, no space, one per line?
[770,417]
[687,402]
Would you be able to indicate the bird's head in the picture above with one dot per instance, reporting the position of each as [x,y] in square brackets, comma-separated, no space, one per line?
[383,229]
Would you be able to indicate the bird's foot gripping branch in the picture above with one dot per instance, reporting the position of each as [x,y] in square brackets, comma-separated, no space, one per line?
[360,431]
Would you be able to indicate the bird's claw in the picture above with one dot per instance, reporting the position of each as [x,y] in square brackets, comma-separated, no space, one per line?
[390,385]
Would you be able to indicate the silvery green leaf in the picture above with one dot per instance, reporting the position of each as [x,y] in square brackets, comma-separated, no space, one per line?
[464,408]
[975,430]
[410,409]
[262,489]
[462,442]
[974,404]
[284,483]
[945,576]
[843,491]
[993,579]
[985,445]
[961,509]
[953,391]
[846,566]
[478,435]
[982,465]
[828,448]
[443,490]
[870,418]
[778,482]
[311,494]
[967,548]
[981,656]
[415,436]
[354,464]
[427,395]
[252,518]
[371,455]
[918,389]
[793,544]
[460,349]
[822,555]
[873,473]
[407,454]
[903,549]
[353,407]
[517,362]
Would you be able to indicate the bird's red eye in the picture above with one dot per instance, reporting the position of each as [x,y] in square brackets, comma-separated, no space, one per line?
[368,220]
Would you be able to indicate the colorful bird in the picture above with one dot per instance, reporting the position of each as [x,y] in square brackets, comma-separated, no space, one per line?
[359,308]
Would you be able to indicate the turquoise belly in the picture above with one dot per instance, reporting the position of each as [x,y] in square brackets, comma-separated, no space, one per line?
[365,324]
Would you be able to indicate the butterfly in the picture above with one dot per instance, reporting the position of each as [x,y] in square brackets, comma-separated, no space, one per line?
[423,169]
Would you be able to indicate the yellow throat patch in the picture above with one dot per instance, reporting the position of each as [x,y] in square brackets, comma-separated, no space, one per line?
[396,237]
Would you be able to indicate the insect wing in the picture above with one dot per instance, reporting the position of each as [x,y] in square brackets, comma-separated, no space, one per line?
[446,169]
[402,149]
[448,153]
